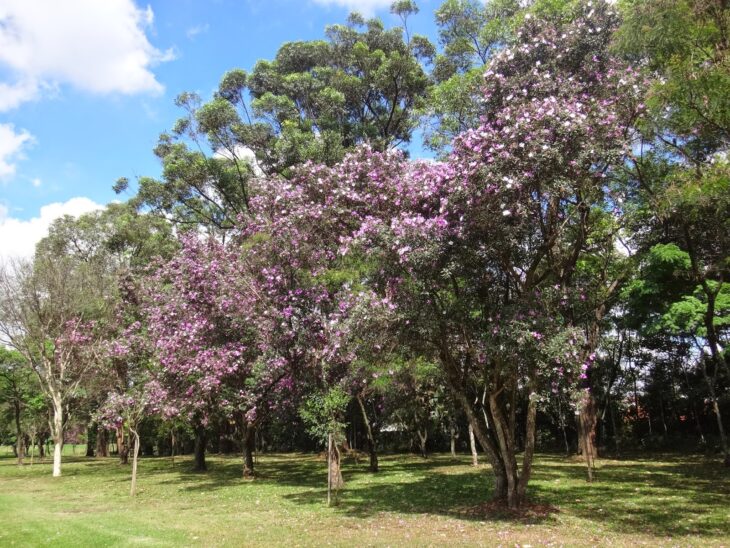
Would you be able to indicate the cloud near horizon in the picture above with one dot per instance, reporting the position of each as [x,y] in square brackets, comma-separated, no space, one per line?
[19,237]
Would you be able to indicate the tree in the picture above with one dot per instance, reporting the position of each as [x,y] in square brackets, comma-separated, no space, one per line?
[470,32]
[16,391]
[482,255]
[313,101]
[681,171]
[128,410]
[41,316]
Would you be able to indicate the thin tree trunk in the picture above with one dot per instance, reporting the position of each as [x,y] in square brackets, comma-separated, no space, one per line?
[473,447]
[122,446]
[172,446]
[562,425]
[91,434]
[249,445]
[452,432]
[135,454]
[200,442]
[19,438]
[422,438]
[529,450]
[507,450]
[329,469]
[57,433]
[372,447]
[488,446]
[720,427]
[334,470]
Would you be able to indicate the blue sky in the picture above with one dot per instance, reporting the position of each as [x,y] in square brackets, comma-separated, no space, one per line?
[86,86]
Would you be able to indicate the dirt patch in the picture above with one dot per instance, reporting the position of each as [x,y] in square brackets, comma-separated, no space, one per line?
[493,508]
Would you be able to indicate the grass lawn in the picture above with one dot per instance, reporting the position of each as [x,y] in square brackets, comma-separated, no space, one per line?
[667,500]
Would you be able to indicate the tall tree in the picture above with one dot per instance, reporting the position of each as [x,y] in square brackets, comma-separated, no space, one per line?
[313,101]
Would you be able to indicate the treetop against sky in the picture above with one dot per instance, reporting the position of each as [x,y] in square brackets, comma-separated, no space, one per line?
[86,88]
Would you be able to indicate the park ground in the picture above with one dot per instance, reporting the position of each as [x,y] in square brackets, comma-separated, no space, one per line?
[652,500]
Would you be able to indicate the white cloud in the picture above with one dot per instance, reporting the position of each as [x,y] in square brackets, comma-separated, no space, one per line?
[11,148]
[18,237]
[36,182]
[366,7]
[192,32]
[99,46]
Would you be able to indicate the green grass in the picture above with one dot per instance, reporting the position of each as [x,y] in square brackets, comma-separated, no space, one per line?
[659,500]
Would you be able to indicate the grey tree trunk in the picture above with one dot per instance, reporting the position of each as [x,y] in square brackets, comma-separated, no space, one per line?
[19,437]
[57,433]
[372,447]
[473,447]
[135,454]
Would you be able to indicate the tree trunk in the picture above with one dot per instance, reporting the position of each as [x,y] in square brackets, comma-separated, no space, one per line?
[102,442]
[720,427]
[122,446]
[529,450]
[335,470]
[249,445]
[372,447]
[57,433]
[135,454]
[473,447]
[587,420]
[488,446]
[422,439]
[452,432]
[507,451]
[91,434]
[19,438]
[201,439]
[172,446]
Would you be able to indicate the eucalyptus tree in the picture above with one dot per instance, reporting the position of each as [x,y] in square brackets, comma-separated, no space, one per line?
[314,101]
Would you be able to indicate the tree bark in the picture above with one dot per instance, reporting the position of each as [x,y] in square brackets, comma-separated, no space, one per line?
[201,439]
[506,449]
[422,439]
[102,442]
[452,444]
[249,446]
[92,431]
[587,420]
[57,433]
[372,447]
[473,447]
[529,450]
[135,454]
[19,438]
[335,469]
[122,446]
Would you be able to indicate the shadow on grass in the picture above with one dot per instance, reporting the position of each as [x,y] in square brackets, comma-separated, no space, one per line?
[663,495]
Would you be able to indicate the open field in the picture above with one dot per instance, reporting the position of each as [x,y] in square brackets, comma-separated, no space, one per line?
[655,500]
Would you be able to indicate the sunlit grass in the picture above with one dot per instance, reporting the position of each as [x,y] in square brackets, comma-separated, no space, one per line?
[659,500]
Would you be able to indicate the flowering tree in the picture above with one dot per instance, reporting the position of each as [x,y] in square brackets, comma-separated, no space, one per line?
[127,410]
[480,253]
[41,317]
